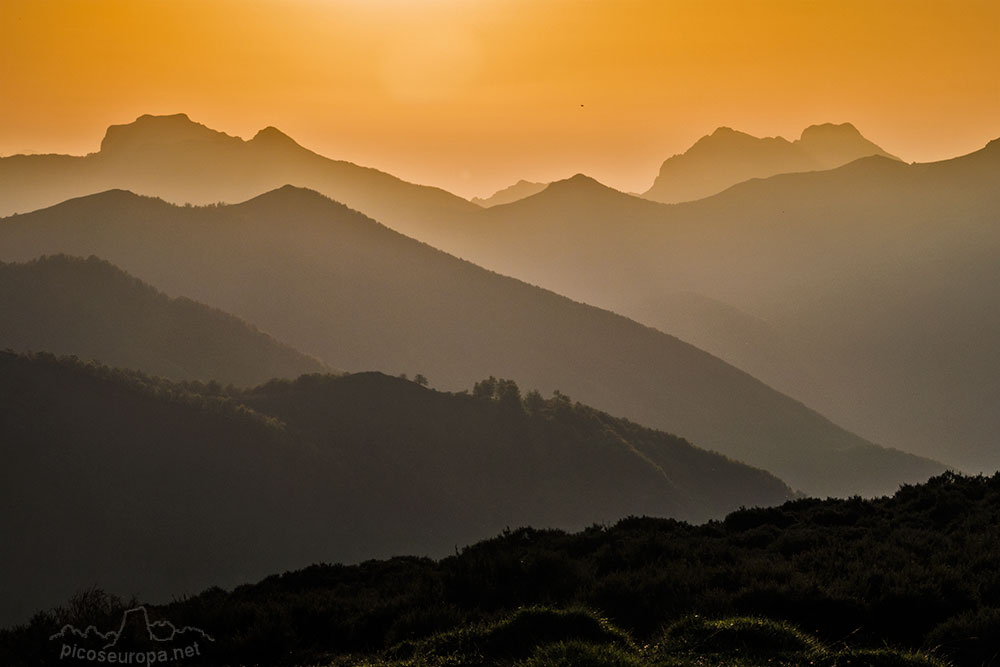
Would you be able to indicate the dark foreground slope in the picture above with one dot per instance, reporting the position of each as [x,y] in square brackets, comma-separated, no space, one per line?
[139,485]
[90,309]
[917,571]
[359,296]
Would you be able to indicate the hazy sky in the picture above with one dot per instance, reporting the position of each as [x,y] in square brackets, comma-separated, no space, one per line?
[472,95]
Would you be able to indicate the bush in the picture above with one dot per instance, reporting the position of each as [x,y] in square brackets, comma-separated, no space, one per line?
[969,638]
[740,636]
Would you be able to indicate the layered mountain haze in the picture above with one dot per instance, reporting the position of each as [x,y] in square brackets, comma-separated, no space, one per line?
[177,159]
[90,309]
[143,486]
[359,296]
[183,161]
[867,291]
[507,333]
[727,157]
[573,226]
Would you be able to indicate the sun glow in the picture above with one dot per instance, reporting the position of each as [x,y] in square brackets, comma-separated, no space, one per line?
[473,96]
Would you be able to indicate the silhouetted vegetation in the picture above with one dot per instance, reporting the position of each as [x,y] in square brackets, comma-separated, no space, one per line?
[863,582]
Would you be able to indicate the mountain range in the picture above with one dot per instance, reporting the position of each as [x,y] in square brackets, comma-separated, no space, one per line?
[339,286]
[90,309]
[867,291]
[147,487]
[727,157]
[183,161]
[775,275]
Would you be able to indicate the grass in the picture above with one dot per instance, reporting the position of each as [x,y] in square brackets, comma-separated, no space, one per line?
[516,636]
[546,637]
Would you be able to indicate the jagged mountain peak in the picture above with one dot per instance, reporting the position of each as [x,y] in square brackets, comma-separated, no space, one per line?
[150,130]
[727,157]
[726,137]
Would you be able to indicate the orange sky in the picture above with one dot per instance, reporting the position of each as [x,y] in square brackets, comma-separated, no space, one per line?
[471,95]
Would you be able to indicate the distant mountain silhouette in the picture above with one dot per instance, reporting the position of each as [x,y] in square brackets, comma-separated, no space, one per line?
[580,185]
[151,133]
[867,291]
[142,486]
[338,285]
[93,310]
[512,193]
[727,157]
[186,162]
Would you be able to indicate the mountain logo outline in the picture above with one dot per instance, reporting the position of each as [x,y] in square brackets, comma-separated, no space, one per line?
[155,630]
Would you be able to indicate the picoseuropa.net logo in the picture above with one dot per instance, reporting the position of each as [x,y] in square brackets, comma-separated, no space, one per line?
[137,641]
